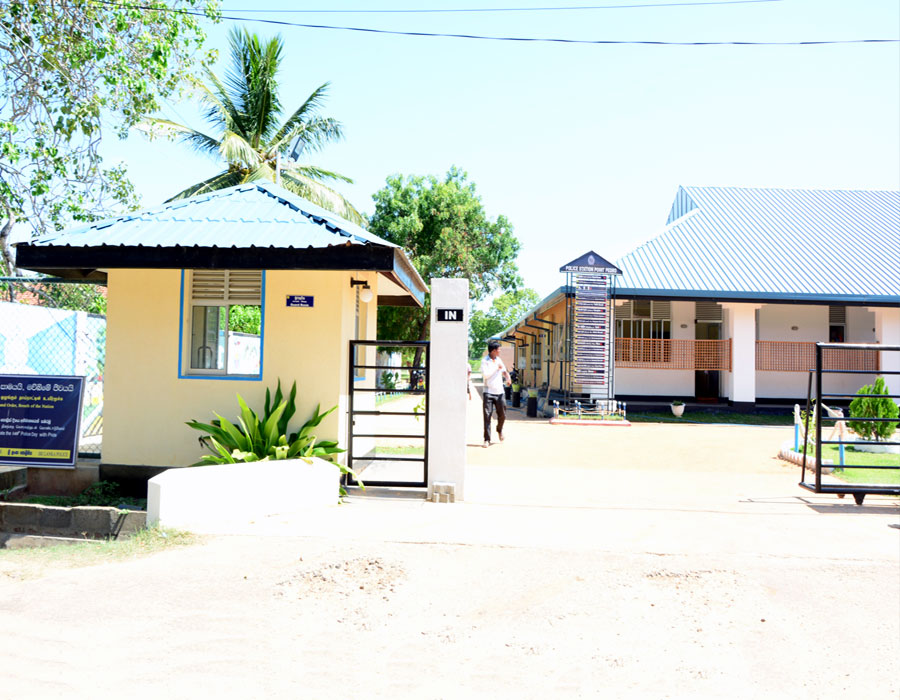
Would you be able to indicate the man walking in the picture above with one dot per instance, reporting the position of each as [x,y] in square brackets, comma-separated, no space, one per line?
[494,372]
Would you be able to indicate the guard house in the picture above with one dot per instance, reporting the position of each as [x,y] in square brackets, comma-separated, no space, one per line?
[224,294]
[727,302]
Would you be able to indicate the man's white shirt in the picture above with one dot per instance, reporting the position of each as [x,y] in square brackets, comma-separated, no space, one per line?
[492,371]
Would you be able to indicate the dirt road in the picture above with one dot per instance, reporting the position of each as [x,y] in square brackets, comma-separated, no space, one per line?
[635,562]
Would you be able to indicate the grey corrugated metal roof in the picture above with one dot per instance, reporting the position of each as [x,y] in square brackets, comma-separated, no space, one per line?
[748,243]
[280,219]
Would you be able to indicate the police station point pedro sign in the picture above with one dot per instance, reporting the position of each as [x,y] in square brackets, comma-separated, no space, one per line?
[40,419]
[591,262]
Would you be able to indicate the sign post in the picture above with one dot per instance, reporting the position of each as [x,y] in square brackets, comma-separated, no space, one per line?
[40,420]
[590,326]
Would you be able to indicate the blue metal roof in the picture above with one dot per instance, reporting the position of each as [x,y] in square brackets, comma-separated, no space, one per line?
[278,218]
[759,244]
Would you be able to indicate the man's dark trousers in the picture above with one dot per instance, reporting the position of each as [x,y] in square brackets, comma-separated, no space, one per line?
[489,401]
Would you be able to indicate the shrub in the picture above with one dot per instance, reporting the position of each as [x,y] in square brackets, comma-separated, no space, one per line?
[873,407]
[259,439]
[388,381]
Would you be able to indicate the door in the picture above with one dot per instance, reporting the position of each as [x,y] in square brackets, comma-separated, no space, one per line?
[706,381]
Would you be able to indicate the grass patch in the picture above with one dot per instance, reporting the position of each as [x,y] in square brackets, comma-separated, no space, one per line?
[705,417]
[381,399]
[586,416]
[853,475]
[71,501]
[31,563]
[401,450]
[101,493]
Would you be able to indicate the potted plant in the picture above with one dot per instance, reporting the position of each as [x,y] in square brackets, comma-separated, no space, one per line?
[677,408]
[516,395]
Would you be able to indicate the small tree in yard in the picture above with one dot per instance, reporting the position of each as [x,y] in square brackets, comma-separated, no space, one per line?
[873,407]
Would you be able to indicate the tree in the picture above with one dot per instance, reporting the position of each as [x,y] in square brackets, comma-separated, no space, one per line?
[871,405]
[244,110]
[505,310]
[68,69]
[442,225]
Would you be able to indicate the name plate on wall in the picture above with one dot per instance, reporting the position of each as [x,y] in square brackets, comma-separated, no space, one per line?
[300,301]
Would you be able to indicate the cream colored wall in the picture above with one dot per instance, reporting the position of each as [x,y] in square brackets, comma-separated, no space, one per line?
[145,402]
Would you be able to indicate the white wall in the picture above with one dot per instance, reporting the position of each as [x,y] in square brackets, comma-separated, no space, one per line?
[775,322]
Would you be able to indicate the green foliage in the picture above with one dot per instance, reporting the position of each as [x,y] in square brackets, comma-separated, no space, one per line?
[873,407]
[263,438]
[505,310]
[69,70]
[244,111]
[388,381]
[443,227]
[100,493]
[260,438]
[245,319]
[58,295]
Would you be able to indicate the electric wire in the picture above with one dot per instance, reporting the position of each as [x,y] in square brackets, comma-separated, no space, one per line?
[483,37]
[463,10]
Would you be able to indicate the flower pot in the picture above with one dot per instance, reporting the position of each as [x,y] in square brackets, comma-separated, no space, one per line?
[677,409]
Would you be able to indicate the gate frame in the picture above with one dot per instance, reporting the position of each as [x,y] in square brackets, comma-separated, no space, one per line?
[351,412]
[859,491]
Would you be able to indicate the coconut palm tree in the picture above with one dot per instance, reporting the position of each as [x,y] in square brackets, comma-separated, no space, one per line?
[245,111]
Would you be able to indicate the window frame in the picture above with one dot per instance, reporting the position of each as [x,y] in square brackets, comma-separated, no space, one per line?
[185,318]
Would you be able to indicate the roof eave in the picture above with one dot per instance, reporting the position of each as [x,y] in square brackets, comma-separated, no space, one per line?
[756,297]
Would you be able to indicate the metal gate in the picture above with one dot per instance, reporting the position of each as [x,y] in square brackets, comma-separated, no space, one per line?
[387,441]
[828,361]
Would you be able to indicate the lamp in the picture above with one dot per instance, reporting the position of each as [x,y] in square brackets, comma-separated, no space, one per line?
[365,296]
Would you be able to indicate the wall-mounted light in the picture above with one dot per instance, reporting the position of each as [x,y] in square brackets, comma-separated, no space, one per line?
[795,328]
[365,296]
[684,325]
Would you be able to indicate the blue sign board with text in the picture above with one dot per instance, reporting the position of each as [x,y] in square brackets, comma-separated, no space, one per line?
[297,300]
[39,419]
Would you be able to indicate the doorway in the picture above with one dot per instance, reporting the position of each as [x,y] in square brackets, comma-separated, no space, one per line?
[706,381]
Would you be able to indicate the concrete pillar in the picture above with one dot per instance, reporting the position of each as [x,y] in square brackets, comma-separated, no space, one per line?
[887,332]
[741,328]
[447,379]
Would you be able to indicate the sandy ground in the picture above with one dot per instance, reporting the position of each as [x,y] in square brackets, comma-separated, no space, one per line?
[654,561]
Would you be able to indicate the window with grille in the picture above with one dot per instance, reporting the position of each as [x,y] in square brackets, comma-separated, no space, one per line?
[642,327]
[224,323]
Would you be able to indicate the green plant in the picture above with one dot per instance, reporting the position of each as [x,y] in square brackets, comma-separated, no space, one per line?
[244,112]
[873,407]
[676,402]
[100,493]
[388,381]
[262,438]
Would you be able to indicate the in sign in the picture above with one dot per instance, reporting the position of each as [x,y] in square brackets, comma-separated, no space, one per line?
[450,315]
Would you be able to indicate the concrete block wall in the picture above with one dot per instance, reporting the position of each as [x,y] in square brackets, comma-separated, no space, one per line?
[81,521]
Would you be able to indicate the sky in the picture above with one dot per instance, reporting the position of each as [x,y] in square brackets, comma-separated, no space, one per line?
[581,147]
